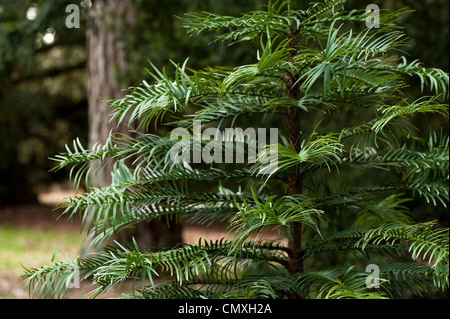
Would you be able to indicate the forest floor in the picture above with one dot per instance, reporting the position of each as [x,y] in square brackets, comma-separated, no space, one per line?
[30,234]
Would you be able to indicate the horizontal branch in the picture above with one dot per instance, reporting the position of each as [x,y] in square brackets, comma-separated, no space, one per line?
[51,72]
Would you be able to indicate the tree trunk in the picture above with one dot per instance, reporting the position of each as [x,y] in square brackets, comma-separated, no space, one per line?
[295,262]
[295,187]
[107,66]
[109,22]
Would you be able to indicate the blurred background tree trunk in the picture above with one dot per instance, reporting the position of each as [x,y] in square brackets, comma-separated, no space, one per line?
[107,67]
[109,22]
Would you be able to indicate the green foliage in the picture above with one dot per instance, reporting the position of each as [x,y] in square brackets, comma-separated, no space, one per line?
[43,101]
[309,61]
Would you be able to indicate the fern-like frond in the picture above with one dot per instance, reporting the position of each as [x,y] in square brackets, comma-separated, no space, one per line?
[106,205]
[145,149]
[152,101]
[422,105]
[412,278]
[436,79]
[272,64]
[247,27]
[419,240]
[255,216]
[389,116]
[52,281]
[422,241]
[406,156]
[317,150]
[336,284]
[390,210]
[113,265]
[343,54]
[218,108]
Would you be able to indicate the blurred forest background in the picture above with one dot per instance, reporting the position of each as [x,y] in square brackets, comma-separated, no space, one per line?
[51,92]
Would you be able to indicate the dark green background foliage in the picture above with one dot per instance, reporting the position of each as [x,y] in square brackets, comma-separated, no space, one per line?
[42,94]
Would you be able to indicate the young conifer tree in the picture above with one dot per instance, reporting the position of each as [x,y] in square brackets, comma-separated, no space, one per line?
[348,159]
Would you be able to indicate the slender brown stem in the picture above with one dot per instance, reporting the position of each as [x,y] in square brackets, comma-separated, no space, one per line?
[295,187]
[295,262]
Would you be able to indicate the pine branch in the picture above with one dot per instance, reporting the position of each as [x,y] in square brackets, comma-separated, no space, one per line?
[436,79]
[152,101]
[256,216]
[413,278]
[336,284]
[420,240]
